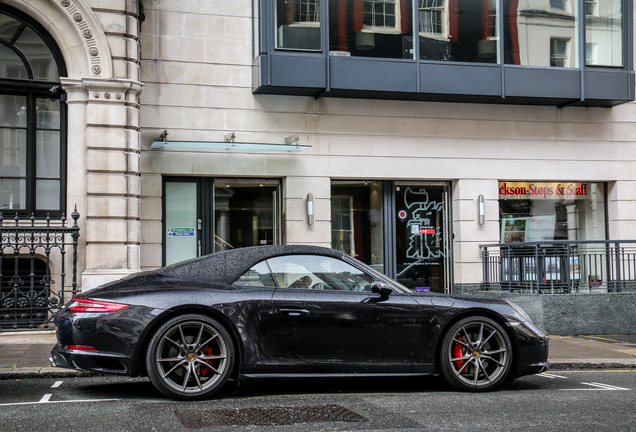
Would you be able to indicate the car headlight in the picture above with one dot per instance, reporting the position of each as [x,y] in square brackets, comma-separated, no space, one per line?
[520,311]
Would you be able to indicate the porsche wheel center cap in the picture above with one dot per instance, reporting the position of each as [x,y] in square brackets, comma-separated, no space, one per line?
[476,354]
[191,356]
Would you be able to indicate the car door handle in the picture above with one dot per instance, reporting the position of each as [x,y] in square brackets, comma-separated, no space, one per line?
[294,312]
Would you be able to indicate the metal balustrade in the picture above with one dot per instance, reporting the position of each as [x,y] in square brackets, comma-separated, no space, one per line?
[33,270]
[560,267]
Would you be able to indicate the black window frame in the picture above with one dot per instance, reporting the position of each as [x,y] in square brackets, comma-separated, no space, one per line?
[32,90]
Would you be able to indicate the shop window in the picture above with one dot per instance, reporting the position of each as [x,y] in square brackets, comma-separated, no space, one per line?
[32,119]
[535,212]
[357,220]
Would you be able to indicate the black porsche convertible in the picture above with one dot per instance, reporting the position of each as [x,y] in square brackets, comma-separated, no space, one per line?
[290,311]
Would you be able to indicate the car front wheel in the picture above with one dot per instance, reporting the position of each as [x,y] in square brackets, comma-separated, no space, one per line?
[476,354]
[190,357]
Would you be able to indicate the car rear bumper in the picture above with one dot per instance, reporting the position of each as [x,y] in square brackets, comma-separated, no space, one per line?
[63,357]
[100,342]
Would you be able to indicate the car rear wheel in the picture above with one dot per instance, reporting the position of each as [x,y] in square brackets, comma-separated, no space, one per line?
[190,357]
[476,354]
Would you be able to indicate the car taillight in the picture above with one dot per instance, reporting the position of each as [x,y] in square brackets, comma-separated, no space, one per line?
[81,348]
[85,305]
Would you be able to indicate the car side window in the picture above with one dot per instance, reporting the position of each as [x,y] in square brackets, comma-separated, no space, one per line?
[318,273]
[259,275]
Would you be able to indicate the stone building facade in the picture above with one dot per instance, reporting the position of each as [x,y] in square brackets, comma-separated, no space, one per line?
[182,138]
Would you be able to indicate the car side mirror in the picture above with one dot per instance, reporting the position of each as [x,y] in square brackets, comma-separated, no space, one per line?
[380,287]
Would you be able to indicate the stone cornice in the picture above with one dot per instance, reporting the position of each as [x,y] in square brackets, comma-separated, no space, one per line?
[103,90]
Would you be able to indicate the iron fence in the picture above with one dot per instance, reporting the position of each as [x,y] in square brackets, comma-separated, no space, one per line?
[560,267]
[33,270]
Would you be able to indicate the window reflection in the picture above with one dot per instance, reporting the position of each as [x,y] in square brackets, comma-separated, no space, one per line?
[298,24]
[541,33]
[458,30]
[357,220]
[371,28]
[604,32]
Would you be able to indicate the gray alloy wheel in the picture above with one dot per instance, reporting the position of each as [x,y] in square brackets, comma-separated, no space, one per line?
[190,357]
[476,354]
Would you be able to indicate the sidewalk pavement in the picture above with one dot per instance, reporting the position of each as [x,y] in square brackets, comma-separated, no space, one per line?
[26,354]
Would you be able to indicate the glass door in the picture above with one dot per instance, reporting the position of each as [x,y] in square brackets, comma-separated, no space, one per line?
[205,215]
[422,230]
[246,213]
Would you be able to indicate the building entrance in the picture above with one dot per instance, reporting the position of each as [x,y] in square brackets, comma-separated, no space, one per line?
[205,215]
[400,229]
[422,236]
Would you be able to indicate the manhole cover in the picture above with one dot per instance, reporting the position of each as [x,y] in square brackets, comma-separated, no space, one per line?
[269,416]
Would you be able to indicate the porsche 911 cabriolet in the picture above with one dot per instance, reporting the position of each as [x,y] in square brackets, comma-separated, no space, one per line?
[290,311]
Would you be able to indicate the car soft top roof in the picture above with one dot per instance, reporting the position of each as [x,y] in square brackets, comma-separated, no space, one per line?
[224,267]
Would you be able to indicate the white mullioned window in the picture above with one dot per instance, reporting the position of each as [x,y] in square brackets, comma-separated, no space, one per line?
[559,52]
[382,16]
[433,18]
[307,11]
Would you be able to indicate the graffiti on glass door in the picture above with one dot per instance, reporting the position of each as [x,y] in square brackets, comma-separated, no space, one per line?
[425,224]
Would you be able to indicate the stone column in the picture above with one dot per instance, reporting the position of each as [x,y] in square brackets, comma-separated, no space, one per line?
[112,180]
[469,234]
[297,230]
[622,202]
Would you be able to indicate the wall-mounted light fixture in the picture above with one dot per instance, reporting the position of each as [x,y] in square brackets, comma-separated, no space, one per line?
[482,210]
[310,209]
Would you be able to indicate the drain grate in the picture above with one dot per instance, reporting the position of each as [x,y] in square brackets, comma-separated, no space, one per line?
[269,416]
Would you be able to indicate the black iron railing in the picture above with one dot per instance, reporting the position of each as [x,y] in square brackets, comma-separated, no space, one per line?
[560,267]
[33,270]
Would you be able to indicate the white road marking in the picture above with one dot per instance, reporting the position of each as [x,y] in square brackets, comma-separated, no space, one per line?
[598,387]
[551,375]
[57,384]
[46,398]
[52,402]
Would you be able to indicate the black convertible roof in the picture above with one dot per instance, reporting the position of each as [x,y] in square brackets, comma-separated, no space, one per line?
[224,267]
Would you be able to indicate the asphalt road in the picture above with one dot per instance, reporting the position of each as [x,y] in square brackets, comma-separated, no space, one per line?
[554,401]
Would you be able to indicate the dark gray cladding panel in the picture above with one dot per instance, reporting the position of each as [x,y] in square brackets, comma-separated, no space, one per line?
[543,83]
[460,79]
[373,74]
[608,84]
[298,71]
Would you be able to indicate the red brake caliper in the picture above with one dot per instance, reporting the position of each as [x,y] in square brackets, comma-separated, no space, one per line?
[458,351]
[204,371]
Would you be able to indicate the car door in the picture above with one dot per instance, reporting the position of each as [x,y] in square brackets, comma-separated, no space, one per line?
[326,312]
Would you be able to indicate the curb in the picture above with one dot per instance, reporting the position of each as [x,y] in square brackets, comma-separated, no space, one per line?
[592,364]
[43,372]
